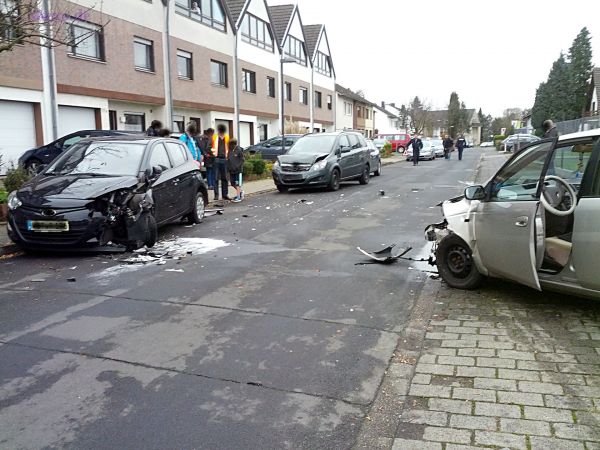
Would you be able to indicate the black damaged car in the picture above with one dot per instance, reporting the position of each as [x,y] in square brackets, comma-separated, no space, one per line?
[108,192]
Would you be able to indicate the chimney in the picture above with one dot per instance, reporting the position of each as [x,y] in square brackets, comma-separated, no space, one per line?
[393,105]
[383,105]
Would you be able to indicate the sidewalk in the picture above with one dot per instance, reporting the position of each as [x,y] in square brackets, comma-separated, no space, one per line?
[501,367]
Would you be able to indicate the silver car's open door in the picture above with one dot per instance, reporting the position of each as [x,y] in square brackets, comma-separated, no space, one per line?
[508,222]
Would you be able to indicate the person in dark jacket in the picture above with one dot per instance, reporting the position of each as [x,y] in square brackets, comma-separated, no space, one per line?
[220,150]
[550,130]
[461,143]
[204,144]
[448,144]
[164,132]
[154,128]
[417,145]
[235,166]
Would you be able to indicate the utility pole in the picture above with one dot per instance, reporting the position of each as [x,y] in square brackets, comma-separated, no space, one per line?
[167,65]
[49,73]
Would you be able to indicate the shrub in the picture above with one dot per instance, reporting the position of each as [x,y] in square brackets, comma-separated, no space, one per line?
[258,166]
[269,167]
[248,167]
[386,151]
[3,196]
[15,178]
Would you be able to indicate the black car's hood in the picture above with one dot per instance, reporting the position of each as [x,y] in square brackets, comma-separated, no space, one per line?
[43,189]
[302,158]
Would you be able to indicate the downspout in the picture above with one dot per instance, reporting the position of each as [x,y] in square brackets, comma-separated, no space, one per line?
[312,98]
[334,105]
[167,66]
[236,88]
[50,74]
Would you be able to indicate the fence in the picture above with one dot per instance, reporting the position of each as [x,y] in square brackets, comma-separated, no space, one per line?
[583,124]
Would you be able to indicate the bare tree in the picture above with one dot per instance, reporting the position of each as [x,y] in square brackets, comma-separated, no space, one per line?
[27,22]
[419,115]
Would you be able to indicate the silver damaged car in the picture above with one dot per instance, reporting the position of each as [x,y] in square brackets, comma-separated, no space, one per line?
[536,222]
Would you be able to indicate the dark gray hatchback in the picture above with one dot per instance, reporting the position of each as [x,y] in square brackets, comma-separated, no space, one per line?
[323,160]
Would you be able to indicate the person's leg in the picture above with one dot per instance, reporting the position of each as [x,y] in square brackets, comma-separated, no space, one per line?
[223,176]
[215,171]
[460,152]
[210,174]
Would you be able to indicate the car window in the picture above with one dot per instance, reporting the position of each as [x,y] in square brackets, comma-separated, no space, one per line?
[313,144]
[518,181]
[354,142]
[569,162]
[275,142]
[159,157]
[344,142]
[72,140]
[362,141]
[178,153]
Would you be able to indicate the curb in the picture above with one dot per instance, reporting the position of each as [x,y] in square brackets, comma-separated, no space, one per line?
[8,249]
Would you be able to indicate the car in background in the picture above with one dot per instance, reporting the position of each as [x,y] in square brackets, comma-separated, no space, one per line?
[426,153]
[487,144]
[380,142]
[438,147]
[399,141]
[375,157]
[323,160]
[35,159]
[518,141]
[106,193]
[272,148]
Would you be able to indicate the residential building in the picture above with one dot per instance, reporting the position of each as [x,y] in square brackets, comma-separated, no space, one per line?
[593,107]
[438,121]
[385,121]
[353,112]
[212,62]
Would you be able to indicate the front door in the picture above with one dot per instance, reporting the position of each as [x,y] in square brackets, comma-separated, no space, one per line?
[586,232]
[345,158]
[507,223]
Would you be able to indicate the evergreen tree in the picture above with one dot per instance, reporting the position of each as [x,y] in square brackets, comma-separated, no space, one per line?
[486,125]
[454,117]
[580,58]
[464,125]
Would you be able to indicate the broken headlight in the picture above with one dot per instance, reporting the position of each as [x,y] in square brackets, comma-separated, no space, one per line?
[13,201]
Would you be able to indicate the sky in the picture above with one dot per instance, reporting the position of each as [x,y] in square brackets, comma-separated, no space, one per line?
[494,54]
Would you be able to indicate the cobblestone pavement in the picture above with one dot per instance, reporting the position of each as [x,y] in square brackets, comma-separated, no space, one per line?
[500,367]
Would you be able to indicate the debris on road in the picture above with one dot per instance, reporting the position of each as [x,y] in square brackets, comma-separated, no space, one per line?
[71,280]
[175,270]
[388,255]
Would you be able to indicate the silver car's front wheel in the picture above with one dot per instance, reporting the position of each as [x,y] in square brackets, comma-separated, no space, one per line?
[455,263]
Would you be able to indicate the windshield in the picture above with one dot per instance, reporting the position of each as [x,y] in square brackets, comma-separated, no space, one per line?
[313,145]
[100,158]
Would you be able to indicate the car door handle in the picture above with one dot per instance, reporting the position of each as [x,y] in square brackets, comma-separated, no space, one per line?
[522,221]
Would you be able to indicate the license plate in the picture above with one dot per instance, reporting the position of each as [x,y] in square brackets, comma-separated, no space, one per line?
[48,226]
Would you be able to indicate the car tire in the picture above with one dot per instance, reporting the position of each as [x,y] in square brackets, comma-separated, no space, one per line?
[196,215]
[334,181]
[281,188]
[151,234]
[455,263]
[33,166]
[378,171]
[400,150]
[366,175]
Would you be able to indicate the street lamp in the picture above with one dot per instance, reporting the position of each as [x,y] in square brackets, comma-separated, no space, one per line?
[283,60]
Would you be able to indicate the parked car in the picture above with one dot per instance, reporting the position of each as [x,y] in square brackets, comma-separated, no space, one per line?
[108,190]
[375,158]
[323,160]
[35,159]
[380,142]
[426,153]
[487,144]
[399,141]
[438,147]
[272,148]
[520,140]
[535,222]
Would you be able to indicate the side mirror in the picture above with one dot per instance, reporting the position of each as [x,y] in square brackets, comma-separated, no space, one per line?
[338,151]
[475,193]
[345,149]
[154,173]
[267,145]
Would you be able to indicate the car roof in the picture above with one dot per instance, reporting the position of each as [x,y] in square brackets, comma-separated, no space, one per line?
[580,134]
[127,138]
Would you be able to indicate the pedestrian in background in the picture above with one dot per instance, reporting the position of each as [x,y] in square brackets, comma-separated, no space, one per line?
[549,128]
[461,143]
[417,145]
[235,166]
[189,139]
[154,128]
[205,146]
[220,150]
[448,144]
[164,132]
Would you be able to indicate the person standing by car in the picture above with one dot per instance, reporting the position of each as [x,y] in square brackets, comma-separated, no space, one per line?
[549,128]
[417,145]
[461,143]
[448,144]
[189,139]
[164,132]
[154,128]
[220,150]
[204,143]
[235,165]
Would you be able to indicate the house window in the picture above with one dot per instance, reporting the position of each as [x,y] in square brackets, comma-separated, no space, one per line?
[318,99]
[87,38]
[178,124]
[303,96]
[143,51]
[288,91]
[184,65]
[271,87]
[218,73]
[263,132]
[323,64]
[134,122]
[208,12]
[257,32]
[294,48]
[358,111]
[249,81]
[347,108]
[329,102]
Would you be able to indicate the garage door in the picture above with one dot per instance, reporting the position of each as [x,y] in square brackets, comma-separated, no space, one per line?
[71,119]
[18,125]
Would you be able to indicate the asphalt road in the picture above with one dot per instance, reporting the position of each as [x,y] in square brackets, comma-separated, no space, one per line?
[277,339]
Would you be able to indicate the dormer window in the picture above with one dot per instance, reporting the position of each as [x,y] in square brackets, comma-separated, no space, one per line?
[208,12]
[294,48]
[323,64]
[257,32]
